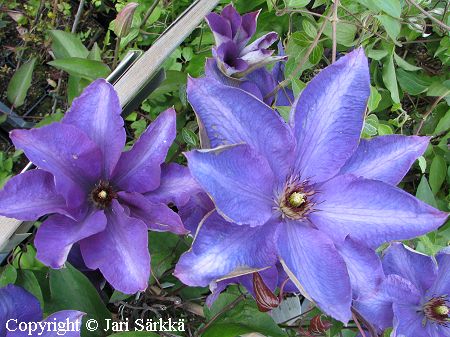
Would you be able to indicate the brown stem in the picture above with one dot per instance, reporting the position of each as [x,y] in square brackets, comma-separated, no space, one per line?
[428,15]
[430,110]
[78,16]
[220,313]
[148,13]
[116,53]
[333,25]
[302,61]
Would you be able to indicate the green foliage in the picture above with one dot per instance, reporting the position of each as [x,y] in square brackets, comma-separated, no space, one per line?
[20,83]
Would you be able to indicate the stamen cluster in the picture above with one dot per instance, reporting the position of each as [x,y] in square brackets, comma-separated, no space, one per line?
[294,202]
[103,194]
[437,310]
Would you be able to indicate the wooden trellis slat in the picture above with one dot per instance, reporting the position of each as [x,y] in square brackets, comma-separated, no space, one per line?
[129,87]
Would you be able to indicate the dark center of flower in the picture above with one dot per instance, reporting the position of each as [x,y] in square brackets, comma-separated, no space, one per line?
[437,310]
[103,194]
[294,202]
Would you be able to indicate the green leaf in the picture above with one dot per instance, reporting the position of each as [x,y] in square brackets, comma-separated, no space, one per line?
[20,83]
[88,69]
[391,25]
[298,3]
[187,53]
[26,259]
[384,129]
[412,83]
[71,290]
[135,334]
[443,124]
[309,28]
[374,99]
[95,53]
[8,275]
[377,54]
[242,319]
[28,281]
[424,192]
[405,65]
[390,79]
[285,112]
[391,7]
[422,164]
[189,137]
[345,33]
[370,126]
[438,172]
[75,86]
[65,45]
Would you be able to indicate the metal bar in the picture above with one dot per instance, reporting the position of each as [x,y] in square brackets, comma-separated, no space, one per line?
[136,77]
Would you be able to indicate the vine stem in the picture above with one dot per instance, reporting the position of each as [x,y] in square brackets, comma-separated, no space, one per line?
[334,23]
[428,15]
[78,16]
[430,110]
[302,61]
[148,13]
[221,312]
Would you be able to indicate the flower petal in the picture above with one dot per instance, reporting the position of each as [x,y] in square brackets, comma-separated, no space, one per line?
[442,284]
[58,233]
[139,169]
[328,117]
[408,322]
[231,116]
[158,217]
[371,211]
[31,195]
[67,153]
[64,318]
[386,158]
[224,250]
[97,112]
[17,303]
[239,181]
[177,186]
[364,267]
[315,266]
[417,268]
[195,210]
[120,251]
[263,42]
[220,28]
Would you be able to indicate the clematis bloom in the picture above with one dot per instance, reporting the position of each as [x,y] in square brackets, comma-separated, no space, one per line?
[295,191]
[232,32]
[99,196]
[414,297]
[19,306]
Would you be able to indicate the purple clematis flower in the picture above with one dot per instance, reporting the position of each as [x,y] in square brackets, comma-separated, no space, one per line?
[19,306]
[414,297]
[294,192]
[101,197]
[232,32]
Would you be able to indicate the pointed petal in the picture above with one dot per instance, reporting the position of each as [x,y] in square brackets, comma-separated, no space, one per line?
[232,116]
[139,169]
[195,210]
[328,117]
[224,250]
[364,267]
[239,181]
[65,317]
[408,322]
[231,15]
[442,284]
[377,309]
[371,211]
[386,158]
[177,186]
[316,268]
[220,28]
[158,217]
[65,151]
[247,29]
[31,195]
[120,251]
[263,42]
[17,303]
[58,233]
[97,112]
[417,268]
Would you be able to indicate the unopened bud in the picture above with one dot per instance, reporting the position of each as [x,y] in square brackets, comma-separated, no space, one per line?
[123,21]
[265,298]
[318,326]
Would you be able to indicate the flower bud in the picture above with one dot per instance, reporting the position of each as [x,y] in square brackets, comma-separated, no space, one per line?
[123,21]
[318,326]
[265,298]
